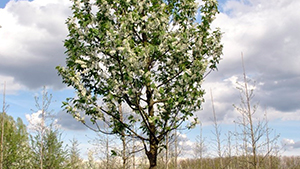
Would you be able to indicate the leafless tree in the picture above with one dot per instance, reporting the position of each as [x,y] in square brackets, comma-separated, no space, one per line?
[253,130]
[217,133]
[200,147]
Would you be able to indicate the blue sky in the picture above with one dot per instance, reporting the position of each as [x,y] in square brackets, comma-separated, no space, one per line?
[267,32]
[3,3]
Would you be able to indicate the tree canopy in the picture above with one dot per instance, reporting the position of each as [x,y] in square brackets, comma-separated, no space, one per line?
[148,55]
[17,152]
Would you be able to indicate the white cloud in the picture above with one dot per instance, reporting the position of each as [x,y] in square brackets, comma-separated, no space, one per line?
[11,86]
[290,145]
[265,31]
[36,123]
[31,41]
[288,142]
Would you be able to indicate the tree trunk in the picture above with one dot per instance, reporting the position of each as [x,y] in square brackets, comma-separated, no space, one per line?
[133,155]
[176,146]
[2,128]
[124,158]
[167,151]
[43,127]
[152,154]
[249,116]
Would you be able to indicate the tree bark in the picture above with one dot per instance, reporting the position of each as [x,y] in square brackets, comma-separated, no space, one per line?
[2,128]
[167,151]
[176,146]
[152,153]
[124,158]
[249,116]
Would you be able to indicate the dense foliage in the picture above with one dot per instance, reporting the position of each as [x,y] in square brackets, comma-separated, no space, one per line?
[149,55]
[55,154]
[16,149]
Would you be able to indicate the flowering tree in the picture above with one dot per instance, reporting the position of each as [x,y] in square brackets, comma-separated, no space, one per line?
[149,55]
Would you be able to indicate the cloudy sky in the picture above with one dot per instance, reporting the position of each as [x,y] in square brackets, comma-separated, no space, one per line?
[266,32]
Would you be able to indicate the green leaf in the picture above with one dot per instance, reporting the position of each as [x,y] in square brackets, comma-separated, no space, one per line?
[113,153]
